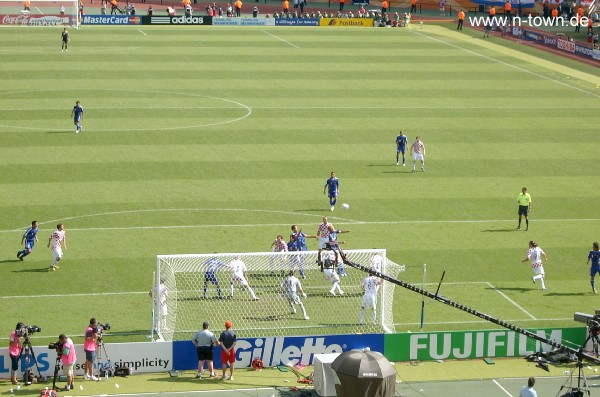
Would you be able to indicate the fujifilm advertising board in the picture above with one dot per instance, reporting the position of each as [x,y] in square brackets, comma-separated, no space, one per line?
[425,346]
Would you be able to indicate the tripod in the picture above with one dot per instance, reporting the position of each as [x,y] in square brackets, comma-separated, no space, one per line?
[56,369]
[102,349]
[579,391]
[28,350]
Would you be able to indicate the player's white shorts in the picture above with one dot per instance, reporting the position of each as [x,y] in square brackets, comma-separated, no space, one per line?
[331,275]
[241,280]
[323,242]
[293,298]
[369,300]
[58,254]
[418,156]
[539,269]
[163,309]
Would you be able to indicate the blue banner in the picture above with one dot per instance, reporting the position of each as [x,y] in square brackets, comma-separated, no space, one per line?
[275,351]
[296,21]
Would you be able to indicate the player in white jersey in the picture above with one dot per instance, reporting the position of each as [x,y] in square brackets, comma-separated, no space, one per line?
[417,150]
[535,254]
[58,240]
[279,245]
[290,288]
[323,236]
[370,285]
[329,265]
[240,275]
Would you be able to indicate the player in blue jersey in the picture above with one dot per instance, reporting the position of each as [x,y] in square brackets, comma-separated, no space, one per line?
[334,245]
[28,240]
[213,265]
[594,255]
[332,187]
[300,239]
[77,114]
[401,142]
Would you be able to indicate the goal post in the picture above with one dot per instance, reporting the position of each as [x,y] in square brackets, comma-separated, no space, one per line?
[191,289]
[39,13]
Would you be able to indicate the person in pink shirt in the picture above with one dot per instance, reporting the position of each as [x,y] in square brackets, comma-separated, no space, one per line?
[90,345]
[14,351]
[68,357]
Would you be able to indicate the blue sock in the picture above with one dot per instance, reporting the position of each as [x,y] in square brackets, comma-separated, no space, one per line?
[24,253]
[333,201]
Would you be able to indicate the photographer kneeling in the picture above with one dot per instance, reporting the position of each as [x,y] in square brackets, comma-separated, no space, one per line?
[90,345]
[66,349]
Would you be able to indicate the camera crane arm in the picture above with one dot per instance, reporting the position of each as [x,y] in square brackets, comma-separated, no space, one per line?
[578,352]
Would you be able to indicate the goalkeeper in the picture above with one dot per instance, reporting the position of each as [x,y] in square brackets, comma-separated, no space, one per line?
[290,288]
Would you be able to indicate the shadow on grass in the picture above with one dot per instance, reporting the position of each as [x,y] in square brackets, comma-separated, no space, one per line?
[568,294]
[499,230]
[36,270]
[381,165]
[516,289]
[10,261]
[401,171]
[60,132]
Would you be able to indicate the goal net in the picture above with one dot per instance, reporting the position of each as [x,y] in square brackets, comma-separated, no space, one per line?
[39,13]
[186,294]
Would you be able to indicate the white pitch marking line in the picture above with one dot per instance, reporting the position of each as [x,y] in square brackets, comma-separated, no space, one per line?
[72,295]
[279,38]
[502,388]
[313,107]
[342,221]
[142,32]
[40,11]
[511,301]
[510,65]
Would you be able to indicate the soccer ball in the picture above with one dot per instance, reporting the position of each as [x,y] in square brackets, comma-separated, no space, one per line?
[345,206]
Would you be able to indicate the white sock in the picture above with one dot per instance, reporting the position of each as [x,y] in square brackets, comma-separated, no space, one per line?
[303,309]
[231,289]
[362,315]
[252,292]
[542,281]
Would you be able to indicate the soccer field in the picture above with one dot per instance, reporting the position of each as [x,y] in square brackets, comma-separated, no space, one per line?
[200,140]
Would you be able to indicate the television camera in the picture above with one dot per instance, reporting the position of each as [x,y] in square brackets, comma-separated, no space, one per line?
[25,330]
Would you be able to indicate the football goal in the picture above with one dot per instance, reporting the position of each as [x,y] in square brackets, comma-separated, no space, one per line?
[191,289]
[39,13]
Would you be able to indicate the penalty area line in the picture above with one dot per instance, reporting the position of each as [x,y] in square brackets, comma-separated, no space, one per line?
[521,308]
[280,39]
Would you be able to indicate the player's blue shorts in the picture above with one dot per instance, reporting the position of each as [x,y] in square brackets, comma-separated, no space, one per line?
[333,193]
[77,119]
[401,149]
[29,244]
[594,269]
[210,277]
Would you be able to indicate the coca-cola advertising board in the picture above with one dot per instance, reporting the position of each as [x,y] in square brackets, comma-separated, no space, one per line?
[35,20]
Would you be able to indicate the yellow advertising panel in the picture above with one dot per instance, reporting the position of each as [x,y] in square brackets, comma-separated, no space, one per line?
[345,22]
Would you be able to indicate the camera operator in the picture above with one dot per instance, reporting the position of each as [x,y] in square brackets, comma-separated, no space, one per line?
[66,349]
[90,345]
[14,350]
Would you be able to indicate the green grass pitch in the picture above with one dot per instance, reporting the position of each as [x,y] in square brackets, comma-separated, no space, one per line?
[204,139]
